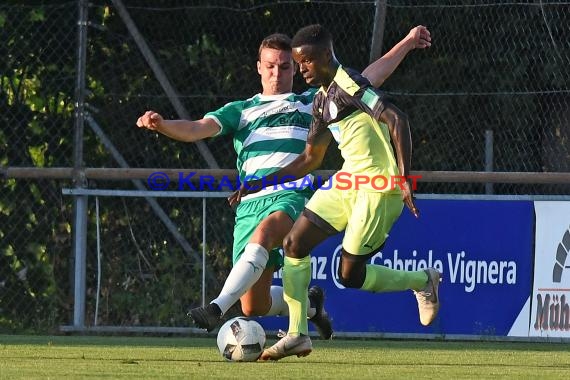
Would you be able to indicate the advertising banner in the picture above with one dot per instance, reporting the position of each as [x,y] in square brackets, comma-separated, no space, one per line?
[483,249]
[550,310]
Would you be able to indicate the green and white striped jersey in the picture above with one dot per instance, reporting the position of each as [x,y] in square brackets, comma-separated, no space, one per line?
[269,132]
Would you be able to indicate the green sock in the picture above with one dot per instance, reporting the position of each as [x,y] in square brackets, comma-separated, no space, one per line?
[296,279]
[382,279]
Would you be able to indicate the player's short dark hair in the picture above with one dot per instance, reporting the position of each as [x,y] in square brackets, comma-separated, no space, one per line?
[277,41]
[315,34]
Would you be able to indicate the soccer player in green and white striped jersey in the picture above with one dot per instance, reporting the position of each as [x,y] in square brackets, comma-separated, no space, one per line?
[269,131]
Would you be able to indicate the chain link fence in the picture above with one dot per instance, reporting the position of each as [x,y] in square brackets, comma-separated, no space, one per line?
[492,93]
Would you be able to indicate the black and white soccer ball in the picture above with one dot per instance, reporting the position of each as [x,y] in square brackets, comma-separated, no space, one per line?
[241,340]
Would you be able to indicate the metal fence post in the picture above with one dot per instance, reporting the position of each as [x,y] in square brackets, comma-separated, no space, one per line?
[203,252]
[488,158]
[378,30]
[80,202]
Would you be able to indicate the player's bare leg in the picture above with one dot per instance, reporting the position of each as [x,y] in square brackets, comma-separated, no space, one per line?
[270,233]
[246,274]
[354,272]
[257,300]
[264,299]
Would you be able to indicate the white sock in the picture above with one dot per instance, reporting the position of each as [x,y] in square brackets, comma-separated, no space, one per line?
[243,275]
[279,306]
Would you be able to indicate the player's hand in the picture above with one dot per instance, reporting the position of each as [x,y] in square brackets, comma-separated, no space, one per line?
[150,120]
[235,198]
[408,198]
[419,37]
[248,187]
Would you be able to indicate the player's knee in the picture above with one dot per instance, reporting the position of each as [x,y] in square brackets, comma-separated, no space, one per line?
[293,247]
[249,311]
[254,310]
[351,274]
[349,280]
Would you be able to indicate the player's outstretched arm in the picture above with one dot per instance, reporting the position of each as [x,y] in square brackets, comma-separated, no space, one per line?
[378,71]
[401,136]
[182,130]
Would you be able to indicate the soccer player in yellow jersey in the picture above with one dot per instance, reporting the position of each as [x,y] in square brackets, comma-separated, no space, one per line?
[365,125]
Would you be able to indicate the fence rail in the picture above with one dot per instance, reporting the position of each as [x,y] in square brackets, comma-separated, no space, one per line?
[143,173]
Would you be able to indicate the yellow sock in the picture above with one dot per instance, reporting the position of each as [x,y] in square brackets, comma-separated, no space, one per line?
[296,279]
[382,279]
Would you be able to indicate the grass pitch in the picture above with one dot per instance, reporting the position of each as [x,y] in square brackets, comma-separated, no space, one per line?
[81,357]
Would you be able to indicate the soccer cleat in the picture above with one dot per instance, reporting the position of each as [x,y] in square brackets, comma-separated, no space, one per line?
[428,297]
[289,345]
[208,317]
[321,319]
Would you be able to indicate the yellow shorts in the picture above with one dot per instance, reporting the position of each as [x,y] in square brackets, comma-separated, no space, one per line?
[366,217]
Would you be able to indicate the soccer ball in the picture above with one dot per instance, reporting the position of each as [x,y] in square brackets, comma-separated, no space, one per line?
[241,340]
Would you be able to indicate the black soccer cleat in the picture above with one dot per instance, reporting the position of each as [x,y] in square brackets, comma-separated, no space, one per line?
[321,319]
[207,317]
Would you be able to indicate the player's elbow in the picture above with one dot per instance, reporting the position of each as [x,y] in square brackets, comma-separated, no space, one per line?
[396,119]
[400,118]
[376,73]
[375,81]
[194,131]
[313,160]
[314,164]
